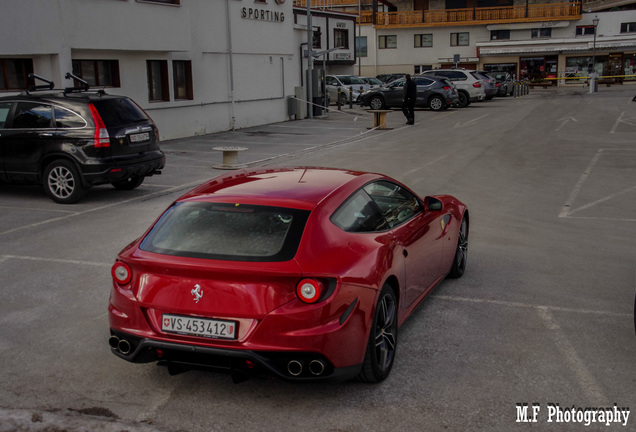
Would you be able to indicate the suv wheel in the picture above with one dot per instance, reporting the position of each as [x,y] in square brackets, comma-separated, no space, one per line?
[376,103]
[129,184]
[463,100]
[436,103]
[63,183]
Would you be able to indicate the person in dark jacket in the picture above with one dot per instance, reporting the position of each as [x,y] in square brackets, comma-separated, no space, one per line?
[408,102]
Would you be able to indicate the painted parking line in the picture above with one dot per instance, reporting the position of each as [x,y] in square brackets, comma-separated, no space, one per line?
[531,306]
[568,210]
[585,379]
[54,260]
[92,210]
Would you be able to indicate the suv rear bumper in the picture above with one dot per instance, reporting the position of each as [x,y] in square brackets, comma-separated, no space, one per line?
[121,170]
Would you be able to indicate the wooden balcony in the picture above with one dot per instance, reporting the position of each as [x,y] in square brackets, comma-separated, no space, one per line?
[468,16]
[475,16]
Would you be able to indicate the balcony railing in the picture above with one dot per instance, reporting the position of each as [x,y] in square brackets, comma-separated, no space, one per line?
[468,16]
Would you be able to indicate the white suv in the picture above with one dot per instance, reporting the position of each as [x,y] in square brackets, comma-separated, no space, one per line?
[469,88]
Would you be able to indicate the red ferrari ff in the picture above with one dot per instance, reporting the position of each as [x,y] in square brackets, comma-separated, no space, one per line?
[301,273]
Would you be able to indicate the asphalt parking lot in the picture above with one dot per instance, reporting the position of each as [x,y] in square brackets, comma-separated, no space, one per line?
[543,315]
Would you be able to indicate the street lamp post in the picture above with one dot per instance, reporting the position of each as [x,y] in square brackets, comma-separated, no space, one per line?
[595,22]
[593,74]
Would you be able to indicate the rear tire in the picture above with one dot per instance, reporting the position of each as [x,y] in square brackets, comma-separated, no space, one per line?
[381,348]
[464,100]
[129,184]
[63,183]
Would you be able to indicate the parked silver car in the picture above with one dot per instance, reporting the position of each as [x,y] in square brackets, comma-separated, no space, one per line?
[469,88]
[345,83]
[505,83]
[490,83]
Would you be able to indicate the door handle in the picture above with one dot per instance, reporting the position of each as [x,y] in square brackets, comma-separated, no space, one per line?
[46,134]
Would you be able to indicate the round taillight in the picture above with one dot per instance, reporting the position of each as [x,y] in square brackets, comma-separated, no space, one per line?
[121,273]
[309,290]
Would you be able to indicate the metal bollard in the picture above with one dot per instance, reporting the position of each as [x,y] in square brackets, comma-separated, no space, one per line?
[351,97]
[339,100]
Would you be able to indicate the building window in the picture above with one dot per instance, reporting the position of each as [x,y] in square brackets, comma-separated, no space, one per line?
[541,33]
[628,27]
[317,38]
[386,42]
[423,40]
[158,80]
[499,34]
[98,72]
[182,77]
[341,38]
[361,46]
[459,39]
[585,30]
[14,73]
[418,69]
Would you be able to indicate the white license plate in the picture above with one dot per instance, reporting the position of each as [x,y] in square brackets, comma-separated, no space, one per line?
[140,137]
[193,326]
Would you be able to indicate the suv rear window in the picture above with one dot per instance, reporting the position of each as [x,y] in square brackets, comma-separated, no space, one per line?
[119,112]
[227,231]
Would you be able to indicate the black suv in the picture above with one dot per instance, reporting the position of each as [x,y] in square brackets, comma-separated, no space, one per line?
[73,139]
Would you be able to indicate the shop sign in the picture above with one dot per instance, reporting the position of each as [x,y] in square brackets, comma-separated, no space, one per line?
[262,14]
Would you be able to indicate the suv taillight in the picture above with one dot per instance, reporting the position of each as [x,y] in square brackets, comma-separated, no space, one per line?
[101,137]
[447,88]
[477,85]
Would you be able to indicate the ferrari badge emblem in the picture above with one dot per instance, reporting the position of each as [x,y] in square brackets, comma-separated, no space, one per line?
[197,292]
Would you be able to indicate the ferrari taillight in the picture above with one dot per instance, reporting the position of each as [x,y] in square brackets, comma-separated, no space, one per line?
[309,290]
[122,274]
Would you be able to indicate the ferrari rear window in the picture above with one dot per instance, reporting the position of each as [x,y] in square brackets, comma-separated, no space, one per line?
[227,231]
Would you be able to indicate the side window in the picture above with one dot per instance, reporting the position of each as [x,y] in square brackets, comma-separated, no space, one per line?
[423,81]
[5,108]
[29,115]
[359,214]
[396,203]
[458,76]
[68,119]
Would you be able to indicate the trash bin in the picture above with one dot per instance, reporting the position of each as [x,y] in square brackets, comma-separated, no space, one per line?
[318,104]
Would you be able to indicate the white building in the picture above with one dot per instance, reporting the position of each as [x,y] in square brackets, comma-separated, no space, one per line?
[562,45]
[196,66]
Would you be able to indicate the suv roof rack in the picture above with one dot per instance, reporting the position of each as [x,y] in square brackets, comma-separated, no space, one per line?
[84,86]
[48,86]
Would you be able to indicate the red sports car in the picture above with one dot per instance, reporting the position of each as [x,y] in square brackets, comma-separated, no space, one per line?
[301,273]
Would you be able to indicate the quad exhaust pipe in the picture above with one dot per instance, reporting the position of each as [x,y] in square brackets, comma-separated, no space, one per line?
[121,345]
[295,367]
[316,367]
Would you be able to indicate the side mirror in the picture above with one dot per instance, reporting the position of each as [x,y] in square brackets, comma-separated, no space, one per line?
[433,204]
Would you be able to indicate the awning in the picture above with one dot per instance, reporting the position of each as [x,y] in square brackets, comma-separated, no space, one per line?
[624,45]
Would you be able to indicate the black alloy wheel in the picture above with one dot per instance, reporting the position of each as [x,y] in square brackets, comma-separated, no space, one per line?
[463,100]
[62,182]
[382,345]
[461,253]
